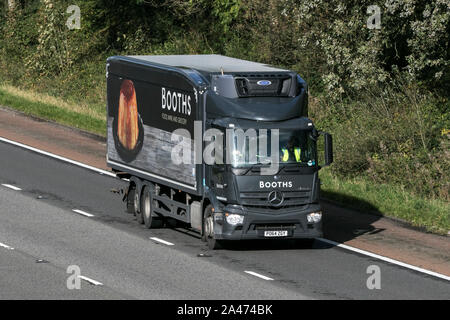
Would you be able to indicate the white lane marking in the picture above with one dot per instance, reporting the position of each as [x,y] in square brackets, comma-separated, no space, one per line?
[162,241]
[83,213]
[91,281]
[52,155]
[258,275]
[393,261]
[6,246]
[12,187]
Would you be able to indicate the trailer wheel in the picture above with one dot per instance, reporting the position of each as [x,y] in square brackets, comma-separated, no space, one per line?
[208,229]
[138,208]
[147,206]
[130,199]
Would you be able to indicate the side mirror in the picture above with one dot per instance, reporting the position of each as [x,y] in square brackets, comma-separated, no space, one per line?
[328,148]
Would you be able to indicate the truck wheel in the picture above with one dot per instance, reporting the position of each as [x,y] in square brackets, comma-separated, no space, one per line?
[138,208]
[150,221]
[208,229]
[130,199]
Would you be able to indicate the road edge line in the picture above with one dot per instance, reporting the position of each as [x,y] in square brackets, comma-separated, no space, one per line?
[386,259]
[55,156]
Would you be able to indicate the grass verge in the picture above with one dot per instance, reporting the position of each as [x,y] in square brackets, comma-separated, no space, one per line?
[50,108]
[389,200]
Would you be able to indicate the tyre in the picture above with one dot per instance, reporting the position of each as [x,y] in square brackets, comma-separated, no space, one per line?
[130,199]
[208,229]
[138,208]
[147,205]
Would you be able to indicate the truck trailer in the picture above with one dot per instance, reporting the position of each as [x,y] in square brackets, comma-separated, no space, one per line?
[223,145]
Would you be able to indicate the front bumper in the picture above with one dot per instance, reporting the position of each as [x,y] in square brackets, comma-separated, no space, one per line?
[292,220]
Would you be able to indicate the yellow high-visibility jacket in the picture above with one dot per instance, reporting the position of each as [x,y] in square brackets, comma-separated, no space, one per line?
[297,153]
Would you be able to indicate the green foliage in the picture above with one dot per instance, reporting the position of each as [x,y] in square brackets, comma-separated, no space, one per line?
[329,43]
[226,12]
[17,41]
[425,31]
[52,112]
[52,55]
[391,134]
[362,194]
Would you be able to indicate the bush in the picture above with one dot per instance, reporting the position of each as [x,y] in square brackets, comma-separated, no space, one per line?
[391,134]
[329,43]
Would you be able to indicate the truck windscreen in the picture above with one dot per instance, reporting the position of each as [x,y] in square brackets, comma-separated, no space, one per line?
[294,147]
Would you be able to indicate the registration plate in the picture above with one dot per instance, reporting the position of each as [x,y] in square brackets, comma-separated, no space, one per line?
[276,233]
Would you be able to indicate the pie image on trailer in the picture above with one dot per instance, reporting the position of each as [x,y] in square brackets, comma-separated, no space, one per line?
[127,126]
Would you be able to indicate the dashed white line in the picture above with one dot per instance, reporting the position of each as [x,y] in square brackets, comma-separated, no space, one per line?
[6,246]
[91,281]
[11,187]
[52,155]
[258,275]
[377,256]
[162,241]
[83,213]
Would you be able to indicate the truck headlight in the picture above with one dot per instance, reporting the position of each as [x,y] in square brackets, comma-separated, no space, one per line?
[234,219]
[314,217]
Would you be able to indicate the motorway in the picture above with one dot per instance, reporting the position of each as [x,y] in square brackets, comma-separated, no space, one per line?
[41,236]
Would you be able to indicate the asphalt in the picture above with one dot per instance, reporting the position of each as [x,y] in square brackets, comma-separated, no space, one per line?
[113,249]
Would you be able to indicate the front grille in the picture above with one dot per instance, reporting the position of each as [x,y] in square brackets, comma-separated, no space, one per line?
[291,199]
[272,226]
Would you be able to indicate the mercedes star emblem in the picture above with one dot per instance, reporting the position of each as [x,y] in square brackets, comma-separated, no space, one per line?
[275,198]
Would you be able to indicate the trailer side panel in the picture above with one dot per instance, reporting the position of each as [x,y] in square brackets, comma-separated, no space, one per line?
[142,115]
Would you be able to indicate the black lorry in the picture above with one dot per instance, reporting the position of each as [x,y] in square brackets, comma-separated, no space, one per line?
[222,144]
